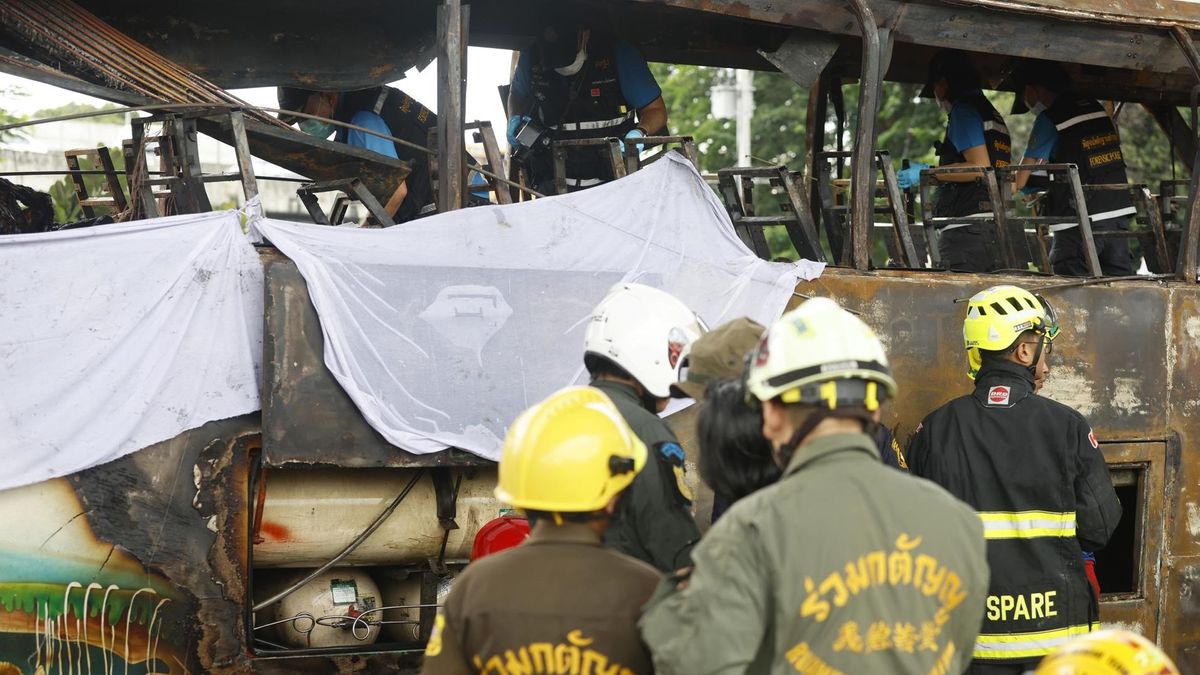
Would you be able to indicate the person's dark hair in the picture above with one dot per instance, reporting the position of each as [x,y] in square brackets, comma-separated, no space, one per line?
[956,68]
[585,517]
[735,458]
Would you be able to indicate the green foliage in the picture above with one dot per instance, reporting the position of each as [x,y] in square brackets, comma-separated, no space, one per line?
[75,108]
[907,127]
[7,117]
[66,203]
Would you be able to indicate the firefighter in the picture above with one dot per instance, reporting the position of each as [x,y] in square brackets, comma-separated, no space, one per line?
[560,598]
[822,572]
[1070,129]
[1032,469]
[975,136]
[1108,652]
[632,349]
[579,82]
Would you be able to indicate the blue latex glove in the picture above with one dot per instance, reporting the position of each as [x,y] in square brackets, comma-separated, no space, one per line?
[910,177]
[515,123]
[634,133]
[478,180]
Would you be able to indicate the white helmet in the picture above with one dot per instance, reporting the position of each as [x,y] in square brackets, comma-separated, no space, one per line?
[645,331]
[820,354]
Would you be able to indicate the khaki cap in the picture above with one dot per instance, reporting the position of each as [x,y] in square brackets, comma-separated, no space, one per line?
[719,354]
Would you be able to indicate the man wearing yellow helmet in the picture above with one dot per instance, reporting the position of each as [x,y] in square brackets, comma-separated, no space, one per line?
[1033,470]
[559,601]
[844,564]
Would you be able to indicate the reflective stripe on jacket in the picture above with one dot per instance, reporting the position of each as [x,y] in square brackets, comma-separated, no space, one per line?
[1034,473]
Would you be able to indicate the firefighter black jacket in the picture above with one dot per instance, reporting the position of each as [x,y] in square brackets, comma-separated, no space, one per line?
[1033,470]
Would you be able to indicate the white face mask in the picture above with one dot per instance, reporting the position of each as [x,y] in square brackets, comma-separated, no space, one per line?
[945,105]
[575,65]
[1036,108]
[580,58]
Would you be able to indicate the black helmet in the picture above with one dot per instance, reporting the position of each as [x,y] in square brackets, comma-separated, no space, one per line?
[1046,73]
[291,98]
[560,38]
[955,67]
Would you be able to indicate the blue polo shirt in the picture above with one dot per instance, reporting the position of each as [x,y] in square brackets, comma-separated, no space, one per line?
[633,74]
[966,127]
[1043,140]
[358,139]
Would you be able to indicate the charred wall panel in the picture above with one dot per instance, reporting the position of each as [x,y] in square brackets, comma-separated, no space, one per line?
[308,418]
[144,550]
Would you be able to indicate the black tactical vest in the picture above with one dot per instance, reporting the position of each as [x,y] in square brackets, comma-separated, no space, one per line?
[1088,139]
[588,104]
[407,119]
[964,199]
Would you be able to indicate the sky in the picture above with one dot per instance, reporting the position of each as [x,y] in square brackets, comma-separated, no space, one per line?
[486,70]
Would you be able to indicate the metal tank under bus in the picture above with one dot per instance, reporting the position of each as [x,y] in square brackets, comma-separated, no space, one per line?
[346,558]
[309,515]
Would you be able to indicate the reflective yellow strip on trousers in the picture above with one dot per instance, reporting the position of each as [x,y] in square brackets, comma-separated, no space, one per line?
[1027,524]
[1025,645]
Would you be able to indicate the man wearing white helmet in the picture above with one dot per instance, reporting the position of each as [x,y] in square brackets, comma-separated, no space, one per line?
[632,351]
[844,565]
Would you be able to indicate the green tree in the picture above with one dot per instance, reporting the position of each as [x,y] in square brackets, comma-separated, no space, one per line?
[7,117]
[75,107]
[906,126]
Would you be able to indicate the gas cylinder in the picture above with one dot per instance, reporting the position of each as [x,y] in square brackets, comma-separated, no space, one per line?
[322,613]
[310,515]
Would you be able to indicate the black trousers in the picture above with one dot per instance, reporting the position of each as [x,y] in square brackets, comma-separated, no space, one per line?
[1067,252]
[968,249]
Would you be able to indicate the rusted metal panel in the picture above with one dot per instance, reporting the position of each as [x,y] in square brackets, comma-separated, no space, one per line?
[333,46]
[313,158]
[307,417]
[1103,364]
[1179,634]
[1150,12]
[147,546]
[1137,609]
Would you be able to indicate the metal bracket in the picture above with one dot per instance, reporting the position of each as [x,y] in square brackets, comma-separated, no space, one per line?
[803,55]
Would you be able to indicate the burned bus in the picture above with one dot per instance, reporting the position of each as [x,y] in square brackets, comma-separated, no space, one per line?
[299,539]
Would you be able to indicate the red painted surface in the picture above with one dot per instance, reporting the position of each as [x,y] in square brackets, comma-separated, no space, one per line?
[275,531]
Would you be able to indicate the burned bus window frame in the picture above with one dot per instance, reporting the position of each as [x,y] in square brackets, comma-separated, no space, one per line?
[1140,467]
[1126,549]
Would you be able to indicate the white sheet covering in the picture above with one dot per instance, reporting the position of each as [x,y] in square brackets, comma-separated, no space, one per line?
[117,337]
[444,329]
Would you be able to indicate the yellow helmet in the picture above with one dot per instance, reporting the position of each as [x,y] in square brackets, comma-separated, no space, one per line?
[997,316]
[571,453]
[820,354]
[1108,652]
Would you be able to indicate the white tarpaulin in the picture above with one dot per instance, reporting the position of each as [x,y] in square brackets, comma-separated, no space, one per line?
[117,337]
[442,330]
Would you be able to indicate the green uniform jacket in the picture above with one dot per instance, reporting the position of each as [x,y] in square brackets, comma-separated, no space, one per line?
[558,603]
[843,566]
[652,522]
